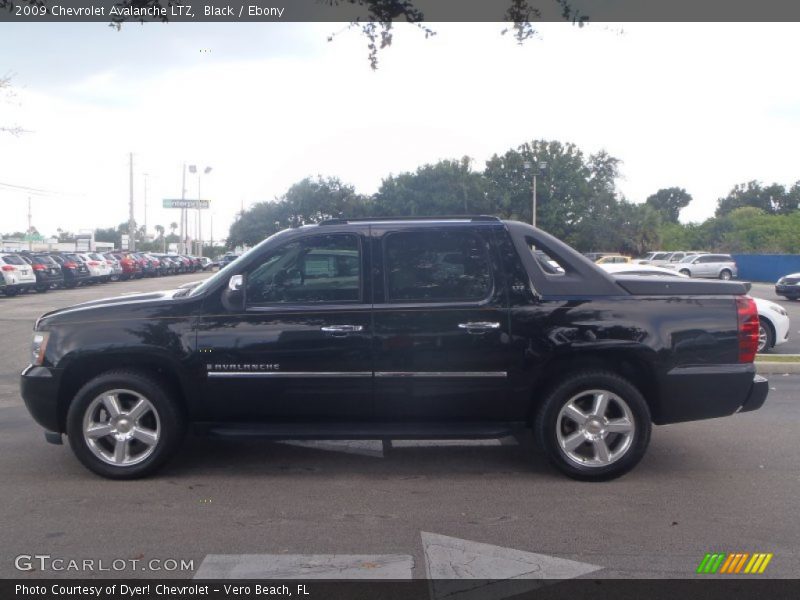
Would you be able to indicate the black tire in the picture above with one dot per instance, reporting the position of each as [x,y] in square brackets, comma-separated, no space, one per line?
[547,425]
[725,274]
[686,272]
[42,289]
[10,292]
[171,423]
[765,329]
[70,285]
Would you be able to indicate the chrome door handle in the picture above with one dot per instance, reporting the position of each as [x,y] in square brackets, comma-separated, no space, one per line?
[341,330]
[479,326]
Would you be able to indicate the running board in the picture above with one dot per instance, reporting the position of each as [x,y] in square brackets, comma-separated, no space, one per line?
[361,431]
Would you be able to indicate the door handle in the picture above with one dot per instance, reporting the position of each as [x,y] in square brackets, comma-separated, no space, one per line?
[341,330]
[479,326]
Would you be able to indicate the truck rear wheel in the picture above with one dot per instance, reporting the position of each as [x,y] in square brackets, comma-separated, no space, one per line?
[594,426]
[124,425]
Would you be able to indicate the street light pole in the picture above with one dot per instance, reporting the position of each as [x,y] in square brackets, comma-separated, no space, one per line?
[536,169]
[182,243]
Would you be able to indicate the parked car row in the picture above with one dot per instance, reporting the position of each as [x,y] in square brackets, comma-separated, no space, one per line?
[43,271]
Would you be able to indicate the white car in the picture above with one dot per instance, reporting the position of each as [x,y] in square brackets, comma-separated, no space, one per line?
[774,323]
[99,269]
[17,274]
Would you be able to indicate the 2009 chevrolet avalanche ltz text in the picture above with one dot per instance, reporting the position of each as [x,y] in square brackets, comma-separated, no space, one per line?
[398,328]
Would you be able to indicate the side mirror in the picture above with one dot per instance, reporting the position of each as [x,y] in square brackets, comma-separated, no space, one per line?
[233,294]
[236,283]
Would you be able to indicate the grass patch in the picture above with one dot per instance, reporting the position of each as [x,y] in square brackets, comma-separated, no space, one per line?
[778,358]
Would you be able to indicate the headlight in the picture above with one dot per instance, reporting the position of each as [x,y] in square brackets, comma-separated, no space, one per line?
[38,346]
[778,309]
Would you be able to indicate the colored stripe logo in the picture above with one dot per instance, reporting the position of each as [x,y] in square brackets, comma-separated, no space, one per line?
[734,563]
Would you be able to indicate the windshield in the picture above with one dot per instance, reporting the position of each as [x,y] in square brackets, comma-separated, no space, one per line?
[688,259]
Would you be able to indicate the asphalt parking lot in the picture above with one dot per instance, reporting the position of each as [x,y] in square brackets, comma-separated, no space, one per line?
[339,509]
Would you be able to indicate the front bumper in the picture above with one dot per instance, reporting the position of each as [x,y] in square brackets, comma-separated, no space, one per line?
[39,389]
[709,391]
[791,291]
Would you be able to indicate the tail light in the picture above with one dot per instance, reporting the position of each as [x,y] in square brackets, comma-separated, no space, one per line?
[70,265]
[38,267]
[8,268]
[747,317]
[93,263]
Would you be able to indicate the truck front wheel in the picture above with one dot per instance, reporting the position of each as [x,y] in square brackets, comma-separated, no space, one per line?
[594,426]
[124,425]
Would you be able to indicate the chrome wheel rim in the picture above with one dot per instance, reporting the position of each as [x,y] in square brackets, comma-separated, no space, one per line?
[725,275]
[595,428]
[762,338]
[121,427]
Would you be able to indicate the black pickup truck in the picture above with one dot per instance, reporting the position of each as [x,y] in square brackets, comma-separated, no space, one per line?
[397,328]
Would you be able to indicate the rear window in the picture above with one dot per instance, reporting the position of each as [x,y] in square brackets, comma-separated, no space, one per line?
[72,257]
[14,260]
[42,260]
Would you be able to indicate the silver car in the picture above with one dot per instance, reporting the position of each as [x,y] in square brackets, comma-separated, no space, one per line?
[716,266]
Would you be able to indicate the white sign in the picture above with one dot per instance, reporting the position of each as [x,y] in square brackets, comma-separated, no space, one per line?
[125,241]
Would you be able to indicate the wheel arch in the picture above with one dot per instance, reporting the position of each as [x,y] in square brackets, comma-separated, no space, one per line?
[84,369]
[773,329]
[626,363]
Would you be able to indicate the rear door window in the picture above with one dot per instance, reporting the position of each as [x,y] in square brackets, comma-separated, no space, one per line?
[436,266]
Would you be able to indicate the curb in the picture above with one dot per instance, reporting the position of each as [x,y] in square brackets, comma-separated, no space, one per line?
[776,368]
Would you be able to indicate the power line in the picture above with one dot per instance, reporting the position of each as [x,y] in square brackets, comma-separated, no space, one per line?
[27,189]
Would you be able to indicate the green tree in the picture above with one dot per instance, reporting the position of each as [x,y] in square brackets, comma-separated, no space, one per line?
[575,193]
[308,201]
[669,202]
[773,199]
[108,234]
[6,94]
[448,187]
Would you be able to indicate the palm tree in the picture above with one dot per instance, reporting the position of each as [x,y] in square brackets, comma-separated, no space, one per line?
[173,226]
[160,230]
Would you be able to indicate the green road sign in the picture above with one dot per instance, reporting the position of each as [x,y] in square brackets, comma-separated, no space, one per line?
[178,203]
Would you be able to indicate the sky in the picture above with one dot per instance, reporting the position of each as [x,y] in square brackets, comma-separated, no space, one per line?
[698,106]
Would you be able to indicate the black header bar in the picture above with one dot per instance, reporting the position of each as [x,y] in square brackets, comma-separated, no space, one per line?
[571,11]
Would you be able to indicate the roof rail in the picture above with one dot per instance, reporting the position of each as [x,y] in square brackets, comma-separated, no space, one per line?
[343,221]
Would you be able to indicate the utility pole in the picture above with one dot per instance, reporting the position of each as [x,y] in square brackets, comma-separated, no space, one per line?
[199,219]
[30,226]
[145,205]
[131,222]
